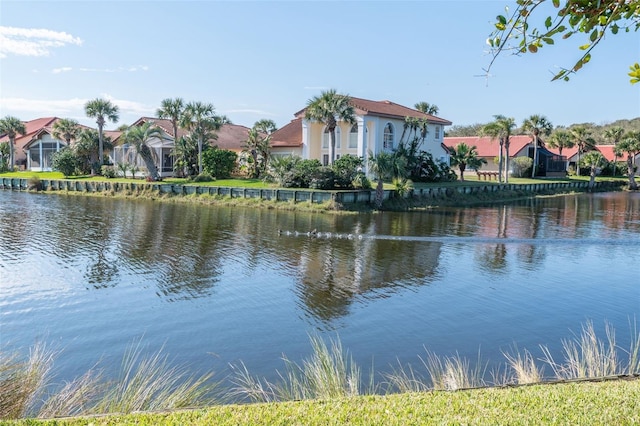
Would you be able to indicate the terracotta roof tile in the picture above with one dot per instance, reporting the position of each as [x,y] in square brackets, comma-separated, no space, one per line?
[488,147]
[288,135]
[387,109]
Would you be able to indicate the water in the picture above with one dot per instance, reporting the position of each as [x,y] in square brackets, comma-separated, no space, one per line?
[219,285]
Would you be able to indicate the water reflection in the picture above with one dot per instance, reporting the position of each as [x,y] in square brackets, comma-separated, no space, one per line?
[184,251]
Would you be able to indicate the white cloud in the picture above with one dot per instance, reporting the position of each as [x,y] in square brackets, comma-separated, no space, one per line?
[32,41]
[134,68]
[60,70]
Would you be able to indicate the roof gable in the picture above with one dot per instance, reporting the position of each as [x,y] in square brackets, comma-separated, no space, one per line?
[487,146]
[288,135]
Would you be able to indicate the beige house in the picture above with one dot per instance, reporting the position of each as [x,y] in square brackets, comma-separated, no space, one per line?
[379,127]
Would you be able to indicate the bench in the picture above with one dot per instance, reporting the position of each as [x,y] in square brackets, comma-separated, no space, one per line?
[487,175]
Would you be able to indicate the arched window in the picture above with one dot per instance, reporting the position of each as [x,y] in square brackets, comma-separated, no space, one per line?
[387,136]
[353,137]
[326,138]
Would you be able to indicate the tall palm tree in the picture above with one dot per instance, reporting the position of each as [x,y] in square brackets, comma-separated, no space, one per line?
[102,110]
[172,109]
[65,129]
[631,146]
[464,155]
[536,125]
[139,137]
[86,147]
[581,136]
[12,126]
[200,120]
[501,129]
[329,108]
[427,108]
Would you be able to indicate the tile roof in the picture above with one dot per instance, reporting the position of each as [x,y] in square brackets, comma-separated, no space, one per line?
[32,128]
[231,137]
[387,109]
[488,147]
[288,135]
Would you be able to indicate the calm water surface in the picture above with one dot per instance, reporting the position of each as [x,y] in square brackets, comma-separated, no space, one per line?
[216,285]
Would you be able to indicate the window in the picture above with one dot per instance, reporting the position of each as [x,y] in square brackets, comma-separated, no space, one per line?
[326,138]
[437,131]
[387,137]
[325,159]
[353,137]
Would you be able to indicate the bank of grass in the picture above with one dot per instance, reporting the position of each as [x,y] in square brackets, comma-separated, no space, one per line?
[581,403]
[328,377]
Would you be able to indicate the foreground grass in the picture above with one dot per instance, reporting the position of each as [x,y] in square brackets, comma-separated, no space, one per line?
[613,402]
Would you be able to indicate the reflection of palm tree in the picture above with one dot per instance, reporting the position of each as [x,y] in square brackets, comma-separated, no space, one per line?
[536,124]
[139,137]
[328,107]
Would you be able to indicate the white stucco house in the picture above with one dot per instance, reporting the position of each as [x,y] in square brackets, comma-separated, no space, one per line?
[379,127]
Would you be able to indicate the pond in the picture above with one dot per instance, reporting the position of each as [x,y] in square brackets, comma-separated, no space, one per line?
[213,286]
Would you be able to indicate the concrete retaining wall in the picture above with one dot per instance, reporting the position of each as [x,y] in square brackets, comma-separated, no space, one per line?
[294,195]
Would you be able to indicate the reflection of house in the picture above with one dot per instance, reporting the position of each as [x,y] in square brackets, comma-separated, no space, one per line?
[230,136]
[549,163]
[379,127]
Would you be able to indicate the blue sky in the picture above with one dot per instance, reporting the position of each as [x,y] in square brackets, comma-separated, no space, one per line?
[265,59]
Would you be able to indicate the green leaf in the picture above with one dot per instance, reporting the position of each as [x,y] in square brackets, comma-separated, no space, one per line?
[594,35]
[635,73]
[585,46]
[548,22]
[577,66]
[548,40]
[501,19]
[614,29]
[586,58]
[500,26]
[556,3]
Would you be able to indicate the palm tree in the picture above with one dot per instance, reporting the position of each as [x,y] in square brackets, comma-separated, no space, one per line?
[560,139]
[258,145]
[614,134]
[65,129]
[463,155]
[86,147]
[536,125]
[139,137]
[200,119]
[12,126]
[501,129]
[630,145]
[593,160]
[171,109]
[101,110]
[581,137]
[427,108]
[385,166]
[329,108]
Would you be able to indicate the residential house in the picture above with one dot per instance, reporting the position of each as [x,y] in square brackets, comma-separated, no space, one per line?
[230,136]
[549,163]
[33,150]
[378,127]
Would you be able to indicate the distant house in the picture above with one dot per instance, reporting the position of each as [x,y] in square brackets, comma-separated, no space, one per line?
[230,137]
[34,149]
[379,127]
[549,163]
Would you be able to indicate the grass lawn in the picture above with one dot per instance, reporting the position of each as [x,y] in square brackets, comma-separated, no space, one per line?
[615,402]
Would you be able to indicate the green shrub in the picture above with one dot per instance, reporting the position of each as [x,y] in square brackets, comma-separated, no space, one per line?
[345,169]
[203,177]
[521,167]
[108,171]
[219,163]
[360,181]
[323,178]
[65,161]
